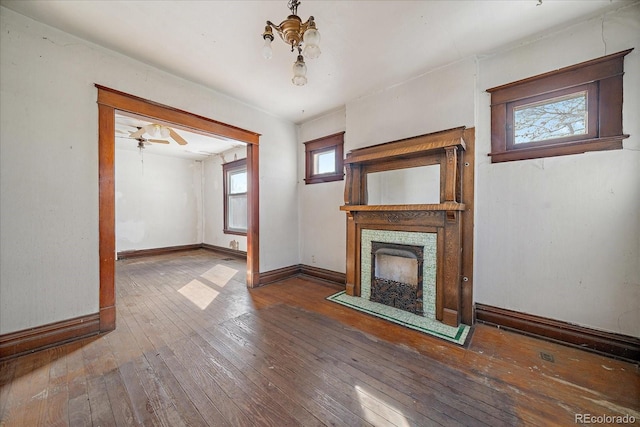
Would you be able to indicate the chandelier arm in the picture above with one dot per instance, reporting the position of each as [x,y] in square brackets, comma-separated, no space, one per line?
[307,25]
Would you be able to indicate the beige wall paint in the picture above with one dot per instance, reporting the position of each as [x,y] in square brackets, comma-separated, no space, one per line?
[556,237]
[49,167]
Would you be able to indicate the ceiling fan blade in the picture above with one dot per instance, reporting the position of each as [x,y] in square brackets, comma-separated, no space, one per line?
[138,133]
[158,141]
[180,140]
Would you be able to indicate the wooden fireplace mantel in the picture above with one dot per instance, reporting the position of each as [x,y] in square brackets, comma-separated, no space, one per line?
[446,206]
[444,148]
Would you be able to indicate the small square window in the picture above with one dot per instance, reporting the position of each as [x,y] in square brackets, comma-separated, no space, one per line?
[324,162]
[324,158]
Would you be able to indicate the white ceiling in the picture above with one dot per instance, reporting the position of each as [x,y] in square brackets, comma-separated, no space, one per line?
[198,146]
[366,45]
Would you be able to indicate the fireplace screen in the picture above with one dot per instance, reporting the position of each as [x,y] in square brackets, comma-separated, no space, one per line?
[396,276]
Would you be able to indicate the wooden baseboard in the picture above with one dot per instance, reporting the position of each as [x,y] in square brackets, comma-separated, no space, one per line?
[300,269]
[279,274]
[324,274]
[606,343]
[157,251]
[228,251]
[170,249]
[39,338]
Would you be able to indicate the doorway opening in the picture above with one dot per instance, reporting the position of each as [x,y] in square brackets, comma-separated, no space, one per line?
[111,101]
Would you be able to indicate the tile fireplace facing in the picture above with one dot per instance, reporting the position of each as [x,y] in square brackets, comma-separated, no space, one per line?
[399,254]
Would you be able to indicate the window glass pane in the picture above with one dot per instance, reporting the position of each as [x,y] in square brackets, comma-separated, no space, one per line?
[237,215]
[553,118]
[324,162]
[238,182]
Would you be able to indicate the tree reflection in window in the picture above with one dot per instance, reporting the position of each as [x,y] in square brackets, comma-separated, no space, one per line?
[550,119]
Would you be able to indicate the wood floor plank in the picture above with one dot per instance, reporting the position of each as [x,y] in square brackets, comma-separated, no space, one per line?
[326,374]
[287,377]
[347,362]
[7,371]
[340,372]
[57,411]
[259,407]
[283,355]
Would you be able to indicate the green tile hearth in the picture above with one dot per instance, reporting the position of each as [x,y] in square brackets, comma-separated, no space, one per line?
[419,323]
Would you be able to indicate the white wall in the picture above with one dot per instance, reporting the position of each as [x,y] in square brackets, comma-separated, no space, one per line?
[557,237]
[323,238]
[158,201]
[435,101]
[560,237]
[213,196]
[49,169]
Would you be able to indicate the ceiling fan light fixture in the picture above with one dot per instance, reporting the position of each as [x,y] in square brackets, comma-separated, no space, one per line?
[303,36]
[152,130]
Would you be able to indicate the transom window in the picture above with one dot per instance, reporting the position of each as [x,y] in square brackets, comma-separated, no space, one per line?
[324,159]
[569,111]
[235,197]
[560,117]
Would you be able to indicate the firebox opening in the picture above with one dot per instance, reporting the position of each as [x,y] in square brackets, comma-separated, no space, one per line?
[397,276]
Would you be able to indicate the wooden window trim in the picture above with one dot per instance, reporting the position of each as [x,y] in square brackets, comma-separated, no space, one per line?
[602,78]
[226,168]
[320,145]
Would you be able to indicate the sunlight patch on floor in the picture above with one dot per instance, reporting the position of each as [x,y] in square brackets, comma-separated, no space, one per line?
[378,412]
[198,293]
[220,274]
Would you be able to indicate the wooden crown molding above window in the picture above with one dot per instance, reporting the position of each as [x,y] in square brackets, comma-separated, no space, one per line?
[600,79]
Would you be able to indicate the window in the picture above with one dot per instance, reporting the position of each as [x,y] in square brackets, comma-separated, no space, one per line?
[235,197]
[324,157]
[569,111]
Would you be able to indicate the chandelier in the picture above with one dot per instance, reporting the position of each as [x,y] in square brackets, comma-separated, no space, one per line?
[301,36]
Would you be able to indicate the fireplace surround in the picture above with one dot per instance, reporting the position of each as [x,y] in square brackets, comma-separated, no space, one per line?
[450,222]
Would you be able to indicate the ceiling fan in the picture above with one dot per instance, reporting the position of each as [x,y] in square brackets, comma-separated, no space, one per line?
[158,131]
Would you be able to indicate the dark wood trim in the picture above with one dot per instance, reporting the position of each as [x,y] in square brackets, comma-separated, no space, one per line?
[226,251]
[572,75]
[467,197]
[573,147]
[240,164]
[170,249]
[279,274]
[607,343]
[156,251]
[136,105]
[323,274]
[324,144]
[446,148]
[603,80]
[110,100]
[253,216]
[107,214]
[283,273]
[39,338]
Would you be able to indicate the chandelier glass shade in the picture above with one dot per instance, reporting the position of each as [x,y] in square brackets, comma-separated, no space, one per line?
[303,36]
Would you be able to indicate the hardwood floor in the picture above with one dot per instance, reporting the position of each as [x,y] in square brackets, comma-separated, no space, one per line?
[193,346]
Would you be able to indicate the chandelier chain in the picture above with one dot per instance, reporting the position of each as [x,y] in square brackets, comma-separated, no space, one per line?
[293,6]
